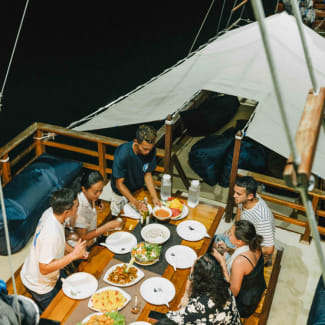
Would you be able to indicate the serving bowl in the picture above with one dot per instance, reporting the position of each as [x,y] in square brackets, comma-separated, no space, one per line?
[162,213]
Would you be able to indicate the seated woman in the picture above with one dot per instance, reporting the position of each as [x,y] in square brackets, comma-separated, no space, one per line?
[207,298]
[89,187]
[245,269]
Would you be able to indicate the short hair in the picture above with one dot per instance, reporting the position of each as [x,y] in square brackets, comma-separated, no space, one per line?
[146,133]
[62,200]
[249,183]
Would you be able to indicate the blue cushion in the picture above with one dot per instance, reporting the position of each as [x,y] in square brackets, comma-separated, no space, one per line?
[27,196]
[62,170]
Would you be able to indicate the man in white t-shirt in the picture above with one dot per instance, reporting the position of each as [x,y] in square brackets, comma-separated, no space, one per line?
[41,270]
[251,207]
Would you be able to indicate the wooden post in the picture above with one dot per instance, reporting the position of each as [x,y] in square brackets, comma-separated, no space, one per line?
[6,171]
[102,160]
[305,237]
[306,140]
[39,149]
[181,172]
[233,175]
[168,144]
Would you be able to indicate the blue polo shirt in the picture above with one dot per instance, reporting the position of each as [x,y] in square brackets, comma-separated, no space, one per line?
[131,167]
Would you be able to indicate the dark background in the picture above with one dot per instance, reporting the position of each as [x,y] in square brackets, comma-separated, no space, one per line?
[76,56]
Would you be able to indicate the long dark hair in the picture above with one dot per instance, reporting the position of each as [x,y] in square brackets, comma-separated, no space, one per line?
[245,231]
[208,278]
[87,179]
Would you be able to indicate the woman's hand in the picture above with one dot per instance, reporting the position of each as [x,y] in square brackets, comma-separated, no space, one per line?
[117,223]
[183,302]
[220,258]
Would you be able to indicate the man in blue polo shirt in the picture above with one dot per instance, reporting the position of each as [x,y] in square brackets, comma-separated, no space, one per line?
[133,164]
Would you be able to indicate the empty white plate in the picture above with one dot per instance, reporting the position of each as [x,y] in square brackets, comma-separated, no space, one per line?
[181,256]
[140,323]
[120,242]
[191,230]
[155,233]
[157,291]
[83,285]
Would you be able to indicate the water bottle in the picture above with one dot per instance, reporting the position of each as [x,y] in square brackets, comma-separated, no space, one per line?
[166,187]
[194,194]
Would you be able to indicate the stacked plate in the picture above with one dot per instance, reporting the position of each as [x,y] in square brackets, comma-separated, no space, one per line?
[180,256]
[120,242]
[192,230]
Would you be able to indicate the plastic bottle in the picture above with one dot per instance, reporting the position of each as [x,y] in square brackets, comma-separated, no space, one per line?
[194,194]
[166,187]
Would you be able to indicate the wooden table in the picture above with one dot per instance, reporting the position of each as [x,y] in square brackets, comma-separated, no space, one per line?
[62,306]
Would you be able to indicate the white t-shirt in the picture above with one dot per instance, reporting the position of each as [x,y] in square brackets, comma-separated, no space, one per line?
[48,245]
[262,218]
[86,215]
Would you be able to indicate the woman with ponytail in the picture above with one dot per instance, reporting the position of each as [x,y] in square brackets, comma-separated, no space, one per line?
[245,269]
[89,186]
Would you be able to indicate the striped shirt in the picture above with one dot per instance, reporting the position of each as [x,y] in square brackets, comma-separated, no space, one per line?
[262,218]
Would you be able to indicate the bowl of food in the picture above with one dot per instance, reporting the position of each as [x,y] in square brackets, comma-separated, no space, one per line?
[162,213]
[146,253]
[155,233]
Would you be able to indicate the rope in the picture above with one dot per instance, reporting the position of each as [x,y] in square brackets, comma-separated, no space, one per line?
[13,52]
[228,22]
[4,217]
[203,22]
[223,7]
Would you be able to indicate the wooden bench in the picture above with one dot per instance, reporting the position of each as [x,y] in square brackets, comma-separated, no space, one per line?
[271,274]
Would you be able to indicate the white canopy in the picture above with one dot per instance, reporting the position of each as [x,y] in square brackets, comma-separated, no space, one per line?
[234,64]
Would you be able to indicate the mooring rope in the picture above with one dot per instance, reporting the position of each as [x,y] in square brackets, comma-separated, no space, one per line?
[12,53]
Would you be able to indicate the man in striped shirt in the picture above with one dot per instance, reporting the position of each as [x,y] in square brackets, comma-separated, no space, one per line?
[252,207]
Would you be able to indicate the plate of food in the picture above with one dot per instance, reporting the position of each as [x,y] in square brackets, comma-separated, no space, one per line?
[146,253]
[117,275]
[109,299]
[113,318]
[155,233]
[178,208]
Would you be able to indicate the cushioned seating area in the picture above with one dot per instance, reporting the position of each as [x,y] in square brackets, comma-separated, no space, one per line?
[27,196]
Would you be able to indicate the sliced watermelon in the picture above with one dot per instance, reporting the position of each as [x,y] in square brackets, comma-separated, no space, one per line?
[175,212]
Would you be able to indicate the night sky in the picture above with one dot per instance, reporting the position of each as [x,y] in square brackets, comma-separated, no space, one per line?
[76,56]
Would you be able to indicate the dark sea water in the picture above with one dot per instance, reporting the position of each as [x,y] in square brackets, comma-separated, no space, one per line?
[76,56]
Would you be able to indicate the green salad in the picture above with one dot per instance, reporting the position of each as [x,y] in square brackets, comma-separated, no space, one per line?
[145,252]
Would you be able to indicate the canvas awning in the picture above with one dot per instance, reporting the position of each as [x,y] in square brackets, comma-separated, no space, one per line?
[234,64]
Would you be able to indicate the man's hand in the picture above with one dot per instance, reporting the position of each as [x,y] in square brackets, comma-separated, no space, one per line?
[79,251]
[141,206]
[156,202]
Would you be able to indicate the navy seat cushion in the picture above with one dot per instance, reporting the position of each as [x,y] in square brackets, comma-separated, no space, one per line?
[206,157]
[27,196]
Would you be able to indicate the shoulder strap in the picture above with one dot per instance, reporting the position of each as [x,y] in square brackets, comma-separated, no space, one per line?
[248,260]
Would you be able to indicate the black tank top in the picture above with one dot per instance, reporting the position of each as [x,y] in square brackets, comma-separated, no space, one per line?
[252,288]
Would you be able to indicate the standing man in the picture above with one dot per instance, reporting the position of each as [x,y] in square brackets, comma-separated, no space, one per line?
[133,164]
[41,270]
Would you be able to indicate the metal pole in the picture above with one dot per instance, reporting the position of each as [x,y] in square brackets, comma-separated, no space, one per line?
[313,227]
[309,62]
[259,15]
[4,216]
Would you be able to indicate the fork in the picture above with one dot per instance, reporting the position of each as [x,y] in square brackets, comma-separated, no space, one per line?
[161,290]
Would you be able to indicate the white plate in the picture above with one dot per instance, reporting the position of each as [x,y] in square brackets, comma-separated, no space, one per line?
[191,230]
[157,291]
[140,275]
[140,323]
[85,320]
[125,294]
[84,285]
[183,214]
[155,233]
[120,242]
[130,212]
[184,256]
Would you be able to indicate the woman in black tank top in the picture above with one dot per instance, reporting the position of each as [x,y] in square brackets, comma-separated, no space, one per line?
[245,269]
